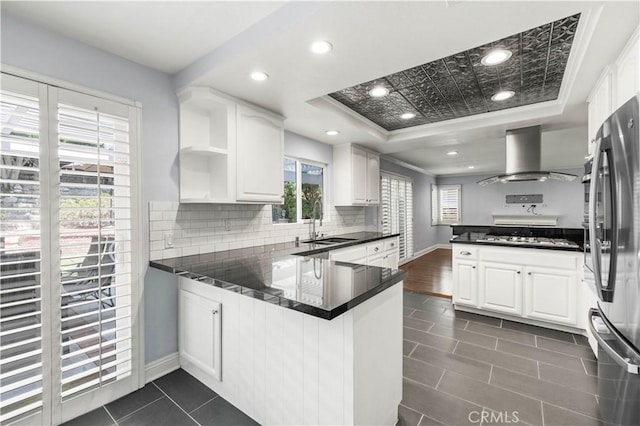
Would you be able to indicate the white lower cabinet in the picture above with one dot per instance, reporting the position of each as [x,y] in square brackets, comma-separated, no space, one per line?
[465,282]
[536,284]
[551,295]
[200,332]
[501,287]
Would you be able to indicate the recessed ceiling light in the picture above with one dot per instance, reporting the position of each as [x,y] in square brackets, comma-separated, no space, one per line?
[332,132]
[471,167]
[407,116]
[495,57]
[503,95]
[379,91]
[452,153]
[259,76]
[321,47]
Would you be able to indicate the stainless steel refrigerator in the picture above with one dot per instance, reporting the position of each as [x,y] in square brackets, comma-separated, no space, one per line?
[614,240]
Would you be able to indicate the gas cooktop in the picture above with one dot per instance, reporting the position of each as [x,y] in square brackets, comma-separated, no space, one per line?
[518,240]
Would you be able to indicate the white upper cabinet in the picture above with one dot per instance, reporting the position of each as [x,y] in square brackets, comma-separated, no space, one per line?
[356,176]
[599,105]
[627,73]
[260,152]
[230,151]
[616,85]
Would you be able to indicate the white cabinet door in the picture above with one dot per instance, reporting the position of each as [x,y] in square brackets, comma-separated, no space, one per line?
[260,150]
[551,295]
[200,333]
[600,106]
[465,282]
[391,260]
[359,175]
[501,287]
[373,178]
[627,76]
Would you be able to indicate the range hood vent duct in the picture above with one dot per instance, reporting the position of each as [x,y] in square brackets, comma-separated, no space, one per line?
[523,159]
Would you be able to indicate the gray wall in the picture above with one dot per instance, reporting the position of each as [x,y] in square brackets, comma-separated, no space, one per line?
[35,49]
[479,203]
[424,235]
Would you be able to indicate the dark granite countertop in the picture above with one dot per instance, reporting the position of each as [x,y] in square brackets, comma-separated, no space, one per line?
[298,277]
[467,234]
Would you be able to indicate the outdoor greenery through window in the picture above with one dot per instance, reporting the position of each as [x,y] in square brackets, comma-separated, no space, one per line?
[303,185]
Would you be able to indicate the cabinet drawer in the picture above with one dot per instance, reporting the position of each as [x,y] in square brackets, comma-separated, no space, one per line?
[464,252]
[375,248]
[391,244]
[532,257]
[352,254]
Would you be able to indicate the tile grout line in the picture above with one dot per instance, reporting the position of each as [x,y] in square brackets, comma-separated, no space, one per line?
[112,418]
[538,368]
[542,411]
[138,409]
[203,404]
[440,379]
[490,374]
[177,405]
[584,367]
[414,348]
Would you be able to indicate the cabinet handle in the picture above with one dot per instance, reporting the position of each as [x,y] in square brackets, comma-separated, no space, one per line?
[473,267]
[528,273]
[518,272]
[214,312]
[376,249]
[465,253]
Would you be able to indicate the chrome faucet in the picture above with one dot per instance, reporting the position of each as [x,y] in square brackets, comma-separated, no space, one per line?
[316,203]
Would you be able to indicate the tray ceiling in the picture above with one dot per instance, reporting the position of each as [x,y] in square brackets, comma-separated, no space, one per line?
[459,85]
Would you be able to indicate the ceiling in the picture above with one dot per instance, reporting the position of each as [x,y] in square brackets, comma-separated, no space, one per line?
[219,44]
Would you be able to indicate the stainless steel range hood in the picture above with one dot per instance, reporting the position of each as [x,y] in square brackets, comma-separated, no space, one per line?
[523,159]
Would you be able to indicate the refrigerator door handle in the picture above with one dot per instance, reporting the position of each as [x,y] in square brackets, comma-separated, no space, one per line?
[604,334]
[593,214]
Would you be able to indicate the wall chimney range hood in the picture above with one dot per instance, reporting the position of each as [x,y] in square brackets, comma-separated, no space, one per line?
[523,159]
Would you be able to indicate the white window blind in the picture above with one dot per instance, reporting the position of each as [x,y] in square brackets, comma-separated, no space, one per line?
[445,204]
[20,249]
[397,211]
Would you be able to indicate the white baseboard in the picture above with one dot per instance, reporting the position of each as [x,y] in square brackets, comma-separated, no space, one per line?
[162,366]
[425,251]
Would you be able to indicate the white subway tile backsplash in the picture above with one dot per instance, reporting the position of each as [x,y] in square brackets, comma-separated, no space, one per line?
[205,228]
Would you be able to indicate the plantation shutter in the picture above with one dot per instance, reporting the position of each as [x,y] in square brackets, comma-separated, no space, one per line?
[21,281]
[449,200]
[397,211]
[95,244]
[68,280]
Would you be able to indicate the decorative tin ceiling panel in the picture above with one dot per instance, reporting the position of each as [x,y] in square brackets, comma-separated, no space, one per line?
[459,85]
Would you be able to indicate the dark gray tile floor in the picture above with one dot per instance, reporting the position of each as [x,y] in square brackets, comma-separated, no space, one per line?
[458,365]
[177,399]
[459,368]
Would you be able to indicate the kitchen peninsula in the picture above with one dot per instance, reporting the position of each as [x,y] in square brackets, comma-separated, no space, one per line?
[290,335]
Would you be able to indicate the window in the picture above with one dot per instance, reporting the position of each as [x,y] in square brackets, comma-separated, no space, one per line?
[397,211]
[445,204]
[303,187]
[69,247]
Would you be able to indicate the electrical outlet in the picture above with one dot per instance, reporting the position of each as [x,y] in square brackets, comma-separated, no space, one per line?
[168,240]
